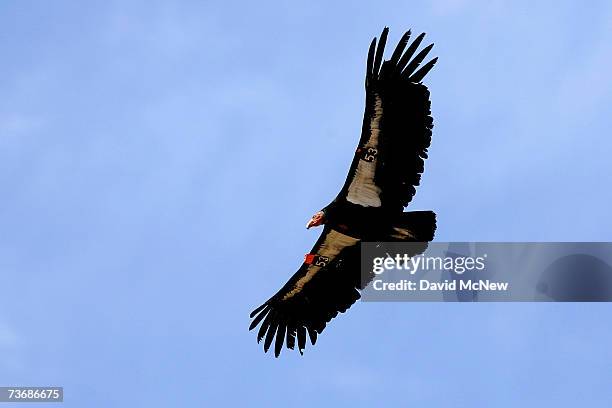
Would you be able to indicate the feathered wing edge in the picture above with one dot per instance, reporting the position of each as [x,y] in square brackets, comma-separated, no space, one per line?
[403,70]
[330,291]
[406,122]
[403,63]
[399,174]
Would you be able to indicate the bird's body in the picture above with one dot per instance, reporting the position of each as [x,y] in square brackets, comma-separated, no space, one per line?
[381,181]
[364,223]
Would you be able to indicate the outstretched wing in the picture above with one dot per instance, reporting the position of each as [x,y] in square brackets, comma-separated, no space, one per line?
[325,285]
[396,129]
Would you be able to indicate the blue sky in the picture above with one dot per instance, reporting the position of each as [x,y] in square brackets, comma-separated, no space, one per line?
[159,160]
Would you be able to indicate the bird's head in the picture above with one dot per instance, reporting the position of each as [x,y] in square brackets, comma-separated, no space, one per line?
[316,220]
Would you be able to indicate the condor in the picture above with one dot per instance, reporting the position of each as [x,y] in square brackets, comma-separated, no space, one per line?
[382,178]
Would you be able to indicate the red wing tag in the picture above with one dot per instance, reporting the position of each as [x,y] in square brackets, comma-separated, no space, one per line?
[317,260]
[309,258]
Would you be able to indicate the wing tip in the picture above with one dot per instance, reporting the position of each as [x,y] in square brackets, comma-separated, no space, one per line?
[418,76]
[257,310]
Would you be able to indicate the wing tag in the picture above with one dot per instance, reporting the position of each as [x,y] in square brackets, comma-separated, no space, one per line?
[316,260]
[367,153]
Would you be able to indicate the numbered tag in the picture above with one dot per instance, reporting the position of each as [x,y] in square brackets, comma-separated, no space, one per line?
[316,260]
[367,153]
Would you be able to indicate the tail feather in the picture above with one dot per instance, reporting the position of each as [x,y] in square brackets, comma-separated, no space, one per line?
[416,226]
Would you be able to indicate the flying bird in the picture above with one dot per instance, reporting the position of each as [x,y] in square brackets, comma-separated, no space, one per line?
[381,181]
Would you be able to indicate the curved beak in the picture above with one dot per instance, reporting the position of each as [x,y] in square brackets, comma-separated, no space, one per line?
[315,221]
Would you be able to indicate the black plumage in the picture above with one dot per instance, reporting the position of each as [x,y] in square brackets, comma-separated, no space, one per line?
[381,181]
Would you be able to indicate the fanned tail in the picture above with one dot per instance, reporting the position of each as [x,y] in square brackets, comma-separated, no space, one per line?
[416,226]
